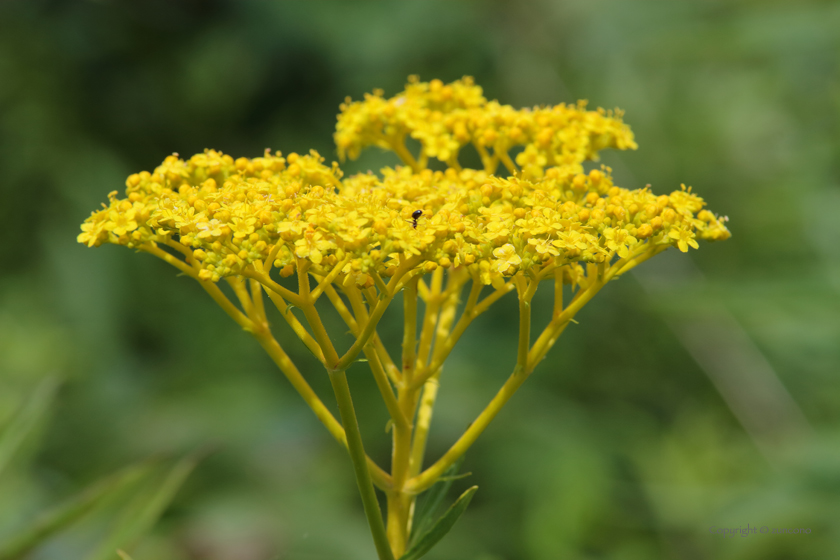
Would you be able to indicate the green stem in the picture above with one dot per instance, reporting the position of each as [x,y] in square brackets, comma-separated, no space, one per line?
[523,369]
[398,145]
[505,159]
[409,346]
[357,454]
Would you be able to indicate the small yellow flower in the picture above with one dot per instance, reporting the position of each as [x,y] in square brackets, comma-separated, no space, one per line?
[506,258]
[684,238]
[543,247]
[91,233]
[119,223]
[311,246]
[620,241]
[496,231]
[212,228]
[242,226]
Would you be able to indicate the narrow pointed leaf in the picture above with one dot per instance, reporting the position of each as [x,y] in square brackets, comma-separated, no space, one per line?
[143,512]
[431,502]
[455,477]
[426,542]
[64,515]
[25,420]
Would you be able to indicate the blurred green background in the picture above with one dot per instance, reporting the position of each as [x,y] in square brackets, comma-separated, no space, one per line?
[701,392]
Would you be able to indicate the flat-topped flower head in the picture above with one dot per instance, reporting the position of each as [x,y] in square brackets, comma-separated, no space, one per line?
[235,213]
[368,238]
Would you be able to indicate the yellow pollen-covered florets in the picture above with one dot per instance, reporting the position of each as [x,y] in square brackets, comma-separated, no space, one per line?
[446,118]
[232,214]
[369,238]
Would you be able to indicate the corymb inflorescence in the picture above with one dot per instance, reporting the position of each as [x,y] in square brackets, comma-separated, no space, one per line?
[423,234]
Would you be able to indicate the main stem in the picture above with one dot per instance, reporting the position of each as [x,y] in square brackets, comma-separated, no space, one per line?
[398,502]
[357,454]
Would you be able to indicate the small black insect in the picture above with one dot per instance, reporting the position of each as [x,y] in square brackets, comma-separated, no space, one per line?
[414,217]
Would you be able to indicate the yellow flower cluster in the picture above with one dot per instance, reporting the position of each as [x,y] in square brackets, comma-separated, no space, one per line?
[368,237]
[445,118]
[233,214]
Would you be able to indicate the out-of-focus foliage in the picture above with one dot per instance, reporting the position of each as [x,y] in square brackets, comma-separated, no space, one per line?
[143,485]
[620,446]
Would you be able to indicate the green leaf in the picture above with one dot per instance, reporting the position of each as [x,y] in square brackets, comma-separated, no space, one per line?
[64,515]
[143,512]
[26,419]
[455,477]
[428,509]
[441,528]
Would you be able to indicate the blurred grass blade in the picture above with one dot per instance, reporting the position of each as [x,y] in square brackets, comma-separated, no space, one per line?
[432,500]
[439,529]
[72,510]
[142,513]
[25,420]
[123,555]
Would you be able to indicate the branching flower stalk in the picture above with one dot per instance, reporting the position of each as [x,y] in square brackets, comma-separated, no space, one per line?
[249,223]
